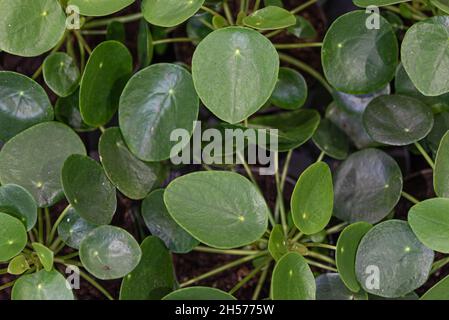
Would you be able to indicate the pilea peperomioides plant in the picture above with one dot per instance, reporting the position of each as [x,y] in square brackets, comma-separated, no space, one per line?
[330,231]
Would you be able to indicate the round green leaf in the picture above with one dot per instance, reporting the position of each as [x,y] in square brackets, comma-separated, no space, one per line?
[367,3]
[270,18]
[330,287]
[443,5]
[23,103]
[13,237]
[30,28]
[198,293]
[61,74]
[441,172]
[290,91]
[134,178]
[67,110]
[153,277]
[155,102]
[429,220]
[73,229]
[100,7]
[294,128]
[235,71]
[331,140]
[33,159]
[16,201]
[440,291]
[277,245]
[109,252]
[213,205]
[292,279]
[18,265]
[169,13]
[42,285]
[45,255]
[106,73]
[427,66]
[346,251]
[367,186]
[392,253]
[88,189]
[313,199]
[356,59]
[162,225]
[397,120]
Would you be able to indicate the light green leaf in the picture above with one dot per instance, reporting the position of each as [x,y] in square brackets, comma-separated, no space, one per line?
[42,285]
[13,237]
[440,291]
[270,18]
[441,172]
[45,255]
[169,13]
[199,293]
[100,7]
[18,265]
[277,245]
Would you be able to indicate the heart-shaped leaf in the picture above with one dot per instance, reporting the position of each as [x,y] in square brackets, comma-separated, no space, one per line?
[346,251]
[367,186]
[169,13]
[133,177]
[45,255]
[153,278]
[30,28]
[277,245]
[427,66]
[213,205]
[331,140]
[88,189]
[441,172]
[42,285]
[391,261]
[73,229]
[367,58]
[100,7]
[330,287]
[235,71]
[162,225]
[106,73]
[13,237]
[270,18]
[290,91]
[292,279]
[61,73]
[18,202]
[429,220]
[397,120]
[33,159]
[313,199]
[23,103]
[198,293]
[150,110]
[109,252]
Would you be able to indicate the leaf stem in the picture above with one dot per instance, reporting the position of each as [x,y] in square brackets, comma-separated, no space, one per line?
[7,285]
[47,225]
[397,10]
[230,252]
[297,237]
[303,6]
[320,265]
[302,66]
[321,156]
[261,282]
[40,222]
[425,155]
[228,13]
[223,268]
[409,197]
[96,285]
[211,11]
[321,257]
[82,41]
[105,22]
[439,264]
[249,276]
[256,5]
[57,222]
[280,199]
[336,228]
[298,45]
[320,245]
[172,40]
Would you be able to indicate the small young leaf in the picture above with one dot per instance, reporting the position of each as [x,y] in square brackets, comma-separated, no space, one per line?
[45,255]
[392,253]
[16,201]
[13,237]
[109,252]
[441,172]
[330,287]
[291,90]
[169,13]
[153,277]
[162,225]
[33,160]
[61,73]
[312,199]
[292,279]
[18,265]
[23,103]
[346,251]
[235,71]
[42,285]
[429,220]
[270,18]
[73,229]
[198,293]
[213,205]
[277,245]
[88,189]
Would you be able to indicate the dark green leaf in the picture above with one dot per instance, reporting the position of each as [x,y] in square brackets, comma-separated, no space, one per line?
[61,74]
[290,91]
[16,201]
